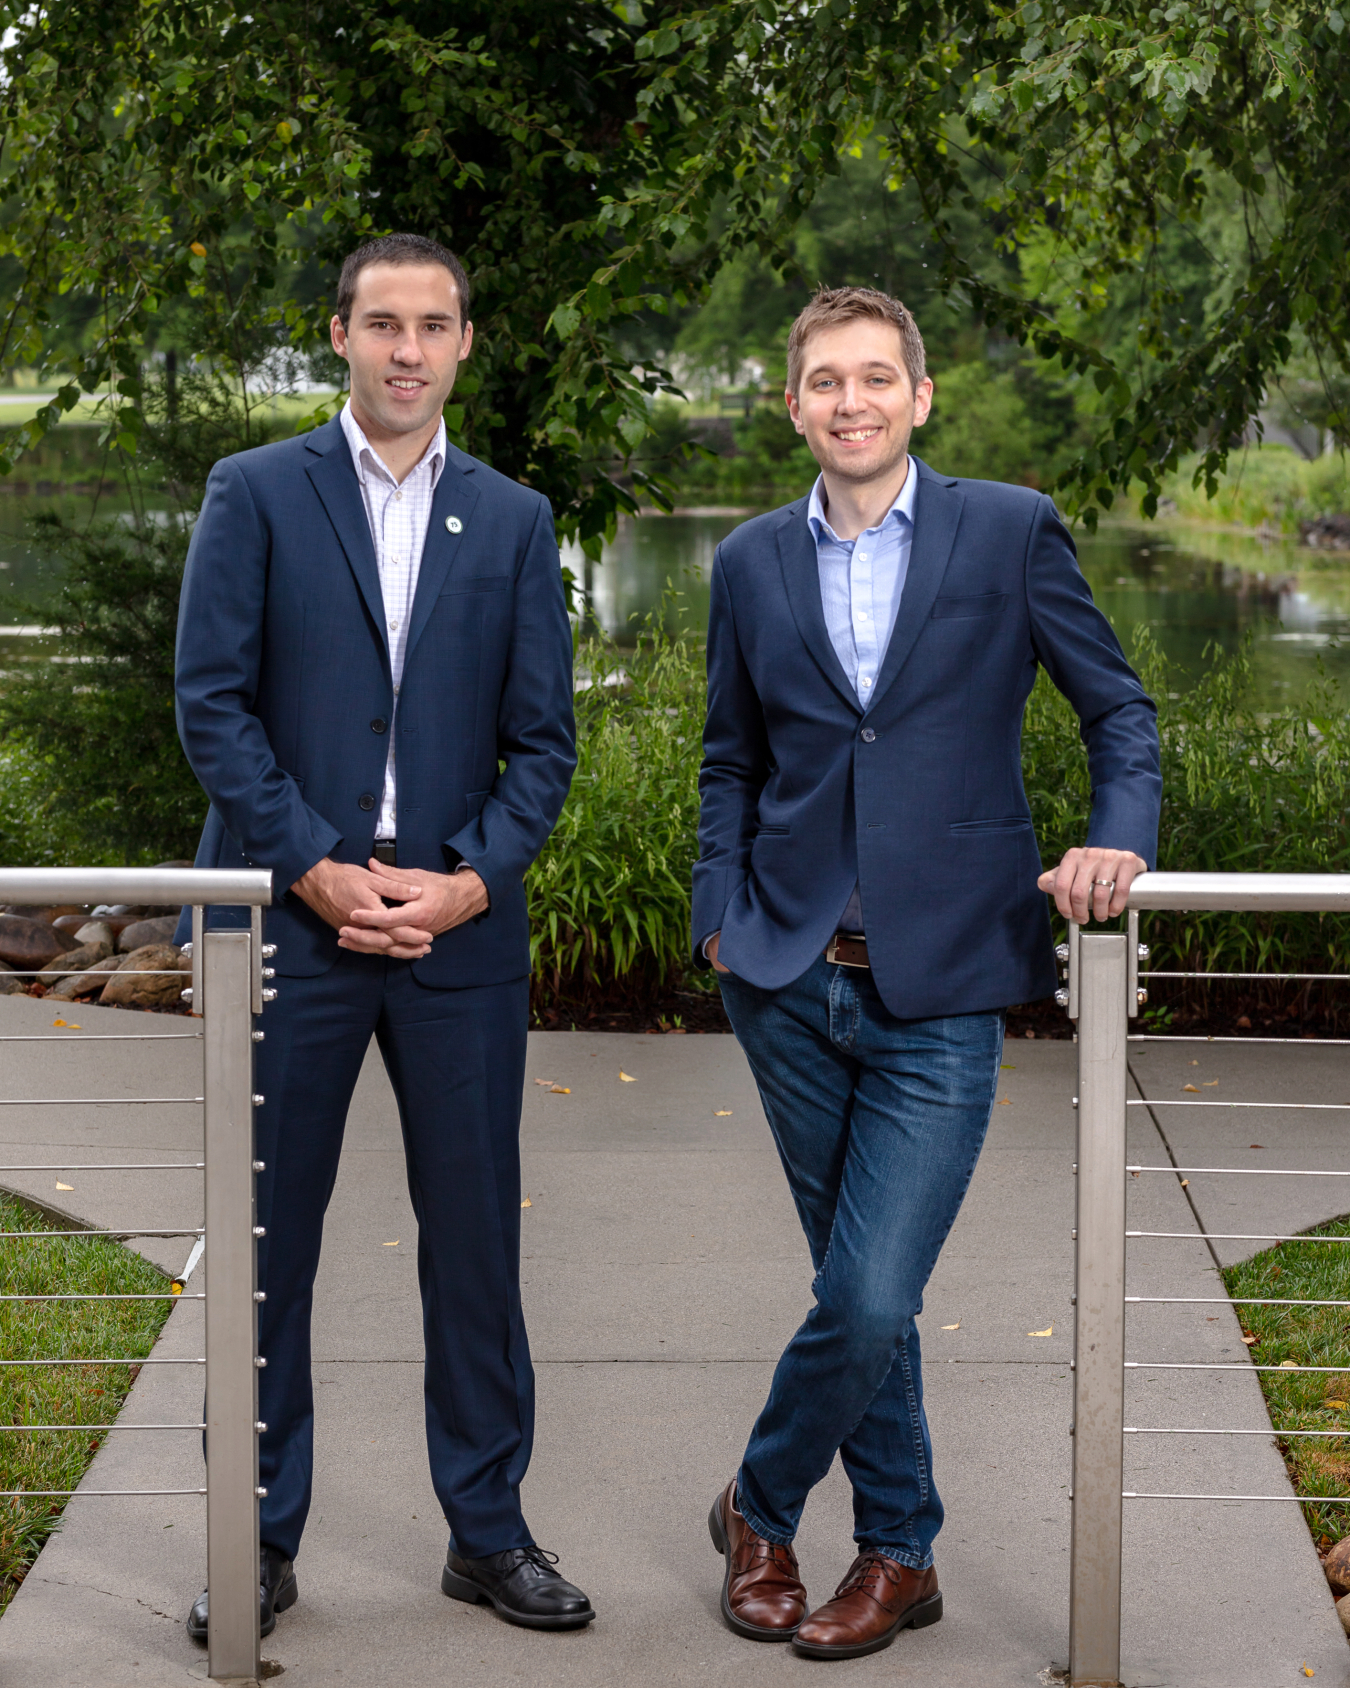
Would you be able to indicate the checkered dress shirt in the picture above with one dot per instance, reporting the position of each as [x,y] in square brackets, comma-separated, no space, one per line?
[398,513]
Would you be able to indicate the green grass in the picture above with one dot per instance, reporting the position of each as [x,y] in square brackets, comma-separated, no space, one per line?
[1266,486]
[1309,1336]
[84,1395]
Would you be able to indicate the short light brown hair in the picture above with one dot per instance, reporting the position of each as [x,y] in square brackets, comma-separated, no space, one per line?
[833,306]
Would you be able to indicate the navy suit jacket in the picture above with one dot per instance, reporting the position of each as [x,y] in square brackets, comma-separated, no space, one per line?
[285,691]
[919,797]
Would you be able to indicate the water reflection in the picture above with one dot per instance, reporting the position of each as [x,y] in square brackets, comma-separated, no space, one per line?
[1193,586]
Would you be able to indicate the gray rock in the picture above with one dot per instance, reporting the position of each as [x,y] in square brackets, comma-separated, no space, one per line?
[150,977]
[9,985]
[97,932]
[141,932]
[1343,1612]
[77,960]
[85,984]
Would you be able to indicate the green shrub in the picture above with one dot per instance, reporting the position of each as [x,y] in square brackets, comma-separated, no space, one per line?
[1269,486]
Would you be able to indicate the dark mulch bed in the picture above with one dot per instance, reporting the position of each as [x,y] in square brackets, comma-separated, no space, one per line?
[1220,1011]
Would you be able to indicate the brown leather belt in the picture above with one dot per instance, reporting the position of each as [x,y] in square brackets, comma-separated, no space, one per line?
[386,851]
[847,949]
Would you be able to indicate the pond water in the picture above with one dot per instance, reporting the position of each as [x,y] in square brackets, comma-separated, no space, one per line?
[1194,586]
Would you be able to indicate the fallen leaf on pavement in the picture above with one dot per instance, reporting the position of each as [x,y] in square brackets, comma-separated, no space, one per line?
[1251,1341]
[626,1078]
[1210,1083]
[527,1202]
[721,1113]
[61,1186]
[1309,1671]
[546,1082]
[1007,1066]
[68,1024]
[1048,1331]
[956,1326]
[1194,1087]
[1185,1183]
[1256,1145]
[1004,1102]
[559,1090]
[393,1244]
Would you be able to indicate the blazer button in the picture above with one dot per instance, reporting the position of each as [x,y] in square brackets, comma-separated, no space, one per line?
[379,724]
[867,735]
[365,801]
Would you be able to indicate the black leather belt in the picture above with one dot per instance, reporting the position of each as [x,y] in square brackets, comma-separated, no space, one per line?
[847,949]
[386,851]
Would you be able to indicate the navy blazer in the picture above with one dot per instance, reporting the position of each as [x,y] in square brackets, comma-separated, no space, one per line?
[919,797]
[285,691]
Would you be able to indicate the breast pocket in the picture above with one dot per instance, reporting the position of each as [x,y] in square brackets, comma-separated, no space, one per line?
[964,609]
[478,583]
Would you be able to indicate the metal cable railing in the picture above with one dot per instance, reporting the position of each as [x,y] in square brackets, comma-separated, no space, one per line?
[1103,994]
[227,990]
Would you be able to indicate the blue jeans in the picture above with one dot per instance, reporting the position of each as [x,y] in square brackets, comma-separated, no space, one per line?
[879,1123]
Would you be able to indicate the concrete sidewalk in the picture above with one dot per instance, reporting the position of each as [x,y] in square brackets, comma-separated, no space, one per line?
[664,1270]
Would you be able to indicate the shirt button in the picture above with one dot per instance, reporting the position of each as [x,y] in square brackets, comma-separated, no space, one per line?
[865,556]
[864,681]
[867,735]
[393,627]
[862,615]
[365,801]
[398,495]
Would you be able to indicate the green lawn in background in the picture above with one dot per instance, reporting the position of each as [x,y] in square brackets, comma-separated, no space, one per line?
[1309,1336]
[83,1395]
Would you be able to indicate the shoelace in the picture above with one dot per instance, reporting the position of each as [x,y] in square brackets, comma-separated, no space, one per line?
[541,1559]
[869,1575]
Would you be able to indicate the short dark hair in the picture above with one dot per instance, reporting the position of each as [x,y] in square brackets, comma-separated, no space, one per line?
[833,306]
[398,249]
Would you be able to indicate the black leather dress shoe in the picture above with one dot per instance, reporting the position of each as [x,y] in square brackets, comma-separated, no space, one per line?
[277,1592]
[522,1584]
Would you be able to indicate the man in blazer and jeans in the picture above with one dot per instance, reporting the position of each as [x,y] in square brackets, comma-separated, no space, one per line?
[375,689]
[867,891]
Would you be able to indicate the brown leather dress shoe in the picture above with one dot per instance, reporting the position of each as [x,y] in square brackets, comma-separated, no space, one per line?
[762,1594]
[875,1601]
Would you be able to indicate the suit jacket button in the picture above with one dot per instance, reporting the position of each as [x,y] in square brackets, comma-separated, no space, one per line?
[867,735]
[379,724]
[365,801]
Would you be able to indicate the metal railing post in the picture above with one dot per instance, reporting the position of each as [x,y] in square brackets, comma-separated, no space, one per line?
[1099,1330]
[232,1567]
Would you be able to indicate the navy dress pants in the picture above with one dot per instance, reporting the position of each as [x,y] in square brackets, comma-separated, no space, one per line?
[456,1060]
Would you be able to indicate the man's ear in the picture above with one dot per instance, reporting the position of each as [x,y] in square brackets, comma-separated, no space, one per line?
[923,401]
[338,335]
[794,411]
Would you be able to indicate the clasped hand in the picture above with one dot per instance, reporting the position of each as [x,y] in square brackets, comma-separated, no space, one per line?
[352,899]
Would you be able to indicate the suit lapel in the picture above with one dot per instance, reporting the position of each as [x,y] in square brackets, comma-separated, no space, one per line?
[334,478]
[801,578]
[937,514]
[455,498]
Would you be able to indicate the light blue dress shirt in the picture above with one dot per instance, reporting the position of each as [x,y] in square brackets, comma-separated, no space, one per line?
[860,585]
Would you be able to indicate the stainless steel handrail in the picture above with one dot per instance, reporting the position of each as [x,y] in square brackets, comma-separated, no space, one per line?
[227,990]
[1102,994]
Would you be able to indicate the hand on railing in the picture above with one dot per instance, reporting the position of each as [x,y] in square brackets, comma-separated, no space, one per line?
[1092,883]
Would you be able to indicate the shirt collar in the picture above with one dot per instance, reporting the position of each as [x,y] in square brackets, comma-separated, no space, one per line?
[365,457]
[903,506]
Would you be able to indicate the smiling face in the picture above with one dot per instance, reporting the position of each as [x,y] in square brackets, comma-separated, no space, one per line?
[855,404]
[403,346]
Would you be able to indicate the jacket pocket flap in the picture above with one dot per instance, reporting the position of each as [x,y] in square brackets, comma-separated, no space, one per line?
[983,603]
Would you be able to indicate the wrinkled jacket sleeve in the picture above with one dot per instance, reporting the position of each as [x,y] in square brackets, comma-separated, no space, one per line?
[1118,720]
[219,654]
[735,768]
[536,732]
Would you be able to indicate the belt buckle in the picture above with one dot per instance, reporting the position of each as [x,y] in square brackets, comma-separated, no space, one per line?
[833,956]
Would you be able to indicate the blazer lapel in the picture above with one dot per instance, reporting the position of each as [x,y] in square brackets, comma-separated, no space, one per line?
[937,514]
[455,498]
[334,478]
[801,577]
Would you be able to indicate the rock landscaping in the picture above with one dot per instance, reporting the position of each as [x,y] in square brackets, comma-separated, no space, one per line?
[120,957]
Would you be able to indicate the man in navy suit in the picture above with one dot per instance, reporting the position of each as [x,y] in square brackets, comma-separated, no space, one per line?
[867,890]
[375,689]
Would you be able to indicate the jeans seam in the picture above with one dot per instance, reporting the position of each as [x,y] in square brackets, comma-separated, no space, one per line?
[755,1522]
[911,1561]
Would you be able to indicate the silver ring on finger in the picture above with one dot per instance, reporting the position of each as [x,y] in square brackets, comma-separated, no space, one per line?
[1105,884]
